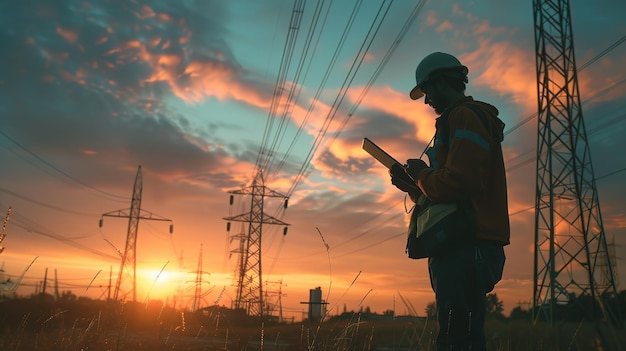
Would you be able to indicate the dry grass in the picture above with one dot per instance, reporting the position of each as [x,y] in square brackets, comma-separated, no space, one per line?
[35,324]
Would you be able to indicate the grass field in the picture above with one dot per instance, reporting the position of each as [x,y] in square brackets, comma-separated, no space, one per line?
[40,323]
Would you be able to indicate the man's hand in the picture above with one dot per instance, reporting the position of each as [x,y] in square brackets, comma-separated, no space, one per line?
[414,166]
[402,180]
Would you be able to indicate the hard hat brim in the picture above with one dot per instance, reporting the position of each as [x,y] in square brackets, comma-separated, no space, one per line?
[416,93]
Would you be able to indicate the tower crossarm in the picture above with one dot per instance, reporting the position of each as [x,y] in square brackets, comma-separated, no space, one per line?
[248,217]
[258,190]
[143,214]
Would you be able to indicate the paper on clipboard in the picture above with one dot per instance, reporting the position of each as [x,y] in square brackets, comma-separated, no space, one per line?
[378,153]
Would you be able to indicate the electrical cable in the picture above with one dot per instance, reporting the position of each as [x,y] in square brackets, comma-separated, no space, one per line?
[341,95]
[315,99]
[43,204]
[294,86]
[264,154]
[60,171]
[32,227]
[326,76]
[412,17]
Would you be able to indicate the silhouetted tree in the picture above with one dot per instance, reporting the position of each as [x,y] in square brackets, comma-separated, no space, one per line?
[431,310]
[519,313]
[495,307]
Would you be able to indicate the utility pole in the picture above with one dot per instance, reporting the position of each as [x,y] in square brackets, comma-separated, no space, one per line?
[134,214]
[571,252]
[45,282]
[56,286]
[249,273]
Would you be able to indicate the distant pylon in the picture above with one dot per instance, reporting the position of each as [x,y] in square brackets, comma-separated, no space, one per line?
[4,227]
[571,252]
[134,214]
[197,296]
[249,273]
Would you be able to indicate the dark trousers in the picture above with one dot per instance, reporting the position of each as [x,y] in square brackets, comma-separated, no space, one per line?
[461,279]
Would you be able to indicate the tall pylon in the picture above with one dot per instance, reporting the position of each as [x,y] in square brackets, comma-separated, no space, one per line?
[134,215]
[249,273]
[571,252]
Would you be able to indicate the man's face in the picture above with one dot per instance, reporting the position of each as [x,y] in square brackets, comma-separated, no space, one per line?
[434,96]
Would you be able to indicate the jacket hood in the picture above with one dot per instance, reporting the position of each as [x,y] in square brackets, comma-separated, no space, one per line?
[497,127]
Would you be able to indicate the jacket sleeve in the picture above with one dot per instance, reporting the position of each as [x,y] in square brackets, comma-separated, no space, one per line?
[463,173]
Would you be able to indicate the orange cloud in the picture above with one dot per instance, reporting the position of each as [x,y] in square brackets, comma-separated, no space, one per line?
[398,104]
[614,221]
[445,26]
[68,35]
[146,12]
[431,19]
[598,86]
[506,69]
[88,152]
[203,78]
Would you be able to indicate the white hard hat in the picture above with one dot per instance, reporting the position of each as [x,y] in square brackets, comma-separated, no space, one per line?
[431,63]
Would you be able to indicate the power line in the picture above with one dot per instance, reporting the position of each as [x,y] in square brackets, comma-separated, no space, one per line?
[377,72]
[32,227]
[612,173]
[601,54]
[315,99]
[307,166]
[265,154]
[60,171]
[295,87]
[43,204]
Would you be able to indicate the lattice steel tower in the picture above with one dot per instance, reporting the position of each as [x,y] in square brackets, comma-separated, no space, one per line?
[134,215]
[571,251]
[249,273]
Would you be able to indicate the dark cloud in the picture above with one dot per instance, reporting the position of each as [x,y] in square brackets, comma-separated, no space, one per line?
[383,129]
[346,169]
[76,76]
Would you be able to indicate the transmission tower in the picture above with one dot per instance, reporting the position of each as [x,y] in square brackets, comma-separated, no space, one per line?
[4,227]
[134,214]
[249,273]
[197,296]
[571,251]
[271,307]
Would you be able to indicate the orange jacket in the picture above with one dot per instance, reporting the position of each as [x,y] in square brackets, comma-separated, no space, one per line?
[470,166]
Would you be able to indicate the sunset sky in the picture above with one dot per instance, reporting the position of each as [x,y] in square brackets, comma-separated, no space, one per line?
[90,90]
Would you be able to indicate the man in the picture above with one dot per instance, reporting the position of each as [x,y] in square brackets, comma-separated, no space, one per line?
[466,168]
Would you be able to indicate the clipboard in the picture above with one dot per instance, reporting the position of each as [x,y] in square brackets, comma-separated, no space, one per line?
[379,154]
